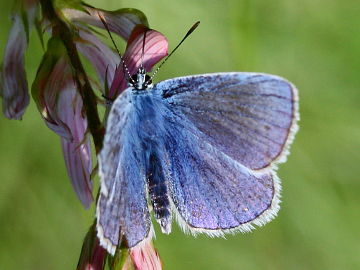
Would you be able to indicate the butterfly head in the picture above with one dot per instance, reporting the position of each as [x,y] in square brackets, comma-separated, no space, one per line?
[140,80]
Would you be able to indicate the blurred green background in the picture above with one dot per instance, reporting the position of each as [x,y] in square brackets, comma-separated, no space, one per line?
[314,44]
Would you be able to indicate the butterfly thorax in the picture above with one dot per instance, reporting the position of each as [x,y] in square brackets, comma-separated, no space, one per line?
[140,80]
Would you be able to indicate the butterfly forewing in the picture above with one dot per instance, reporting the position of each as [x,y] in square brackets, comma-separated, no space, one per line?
[122,212]
[248,116]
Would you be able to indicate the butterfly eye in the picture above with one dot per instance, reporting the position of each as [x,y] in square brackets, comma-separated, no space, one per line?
[133,81]
[148,81]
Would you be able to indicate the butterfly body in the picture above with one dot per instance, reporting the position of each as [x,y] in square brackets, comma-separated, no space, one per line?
[201,148]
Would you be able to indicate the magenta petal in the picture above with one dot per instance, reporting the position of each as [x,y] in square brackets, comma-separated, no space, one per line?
[145,257]
[58,101]
[101,56]
[121,21]
[78,164]
[77,152]
[49,83]
[92,256]
[156,48]
[15,88]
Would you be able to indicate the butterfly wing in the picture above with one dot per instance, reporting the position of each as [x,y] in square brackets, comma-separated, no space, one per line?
[223,134]
[212,140]
[250,117]
[122,210]
[213,193]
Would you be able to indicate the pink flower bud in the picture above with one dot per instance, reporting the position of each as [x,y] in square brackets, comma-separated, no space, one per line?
[145,257]
[77,152]
[92,254]
[61,106]
[121,21]
[14,88]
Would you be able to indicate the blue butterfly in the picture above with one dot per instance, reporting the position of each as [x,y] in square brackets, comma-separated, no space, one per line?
[202,148]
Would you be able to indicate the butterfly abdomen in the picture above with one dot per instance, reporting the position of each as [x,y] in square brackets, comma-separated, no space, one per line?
[158,192]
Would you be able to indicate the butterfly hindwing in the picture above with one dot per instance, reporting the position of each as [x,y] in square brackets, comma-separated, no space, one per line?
[211,192]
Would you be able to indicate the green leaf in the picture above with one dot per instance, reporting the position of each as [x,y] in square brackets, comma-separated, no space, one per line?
[73,4]
[55,51]
[39,32]
[25,21]
[120,258]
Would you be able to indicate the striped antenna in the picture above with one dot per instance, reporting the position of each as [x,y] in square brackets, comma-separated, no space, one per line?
[163,62]
[143,49]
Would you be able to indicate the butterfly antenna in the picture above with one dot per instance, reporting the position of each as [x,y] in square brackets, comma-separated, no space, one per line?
[102,19]
[185,37]
[143,49]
